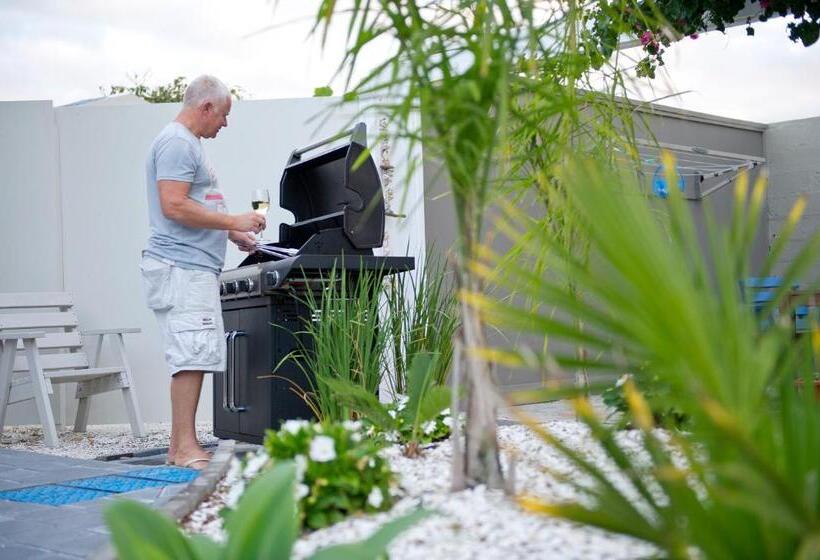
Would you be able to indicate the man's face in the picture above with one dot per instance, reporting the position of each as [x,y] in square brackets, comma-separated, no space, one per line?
[214,117]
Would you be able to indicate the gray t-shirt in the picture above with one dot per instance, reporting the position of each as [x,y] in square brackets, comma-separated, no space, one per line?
[177,155]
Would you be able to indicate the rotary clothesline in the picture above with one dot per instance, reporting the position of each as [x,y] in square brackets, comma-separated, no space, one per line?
[695,163]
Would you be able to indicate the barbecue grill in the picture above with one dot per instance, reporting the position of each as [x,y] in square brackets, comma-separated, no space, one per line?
[335,195]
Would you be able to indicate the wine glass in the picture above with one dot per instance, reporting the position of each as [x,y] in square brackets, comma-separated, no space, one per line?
[260,201]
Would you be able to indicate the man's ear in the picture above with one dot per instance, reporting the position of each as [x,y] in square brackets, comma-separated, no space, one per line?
[207,107]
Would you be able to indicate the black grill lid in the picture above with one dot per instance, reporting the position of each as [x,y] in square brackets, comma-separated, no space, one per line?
[338,189]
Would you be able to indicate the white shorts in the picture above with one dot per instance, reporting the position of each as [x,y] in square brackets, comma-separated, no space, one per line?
[188,310]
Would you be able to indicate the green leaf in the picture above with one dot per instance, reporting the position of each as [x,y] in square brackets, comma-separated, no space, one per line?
[141,533]
[436,400]
[324,91]
[374,547]
[264,524]
[205,548]
[360,399]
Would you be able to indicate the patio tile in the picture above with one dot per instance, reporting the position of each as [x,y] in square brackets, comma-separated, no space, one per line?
[14,551]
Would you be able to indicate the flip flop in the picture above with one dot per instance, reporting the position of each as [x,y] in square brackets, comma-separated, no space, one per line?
[172,464]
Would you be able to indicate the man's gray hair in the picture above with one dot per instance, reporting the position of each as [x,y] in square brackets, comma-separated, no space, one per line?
[203,89]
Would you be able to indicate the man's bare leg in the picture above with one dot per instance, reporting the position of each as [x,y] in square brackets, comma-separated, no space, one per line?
[185,389]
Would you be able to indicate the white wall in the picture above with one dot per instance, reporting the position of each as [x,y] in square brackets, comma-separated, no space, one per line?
[794,170]
[102,154]
[30,221]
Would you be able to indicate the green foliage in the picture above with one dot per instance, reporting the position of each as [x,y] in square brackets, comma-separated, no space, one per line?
[741,481]
[657,23]
[655,392]
[338,470]
[346,341]
[264,525]
[496,85]
[167,93]
[374,546]
[422,317]
[418,418]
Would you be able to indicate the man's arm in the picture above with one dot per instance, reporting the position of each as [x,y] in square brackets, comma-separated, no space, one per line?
[173,198]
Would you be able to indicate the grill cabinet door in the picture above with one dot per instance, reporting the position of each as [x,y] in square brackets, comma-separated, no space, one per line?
[226,424]
[254,361]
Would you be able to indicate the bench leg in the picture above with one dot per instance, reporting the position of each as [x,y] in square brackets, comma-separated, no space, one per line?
[81,421]
[134,416]
[40,388]
[129,394]
[8,351]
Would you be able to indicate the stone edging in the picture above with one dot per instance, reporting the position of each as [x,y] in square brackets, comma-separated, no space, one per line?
[186,500]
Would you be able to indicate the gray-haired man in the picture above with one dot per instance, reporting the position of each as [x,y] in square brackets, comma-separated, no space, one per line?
[190,227]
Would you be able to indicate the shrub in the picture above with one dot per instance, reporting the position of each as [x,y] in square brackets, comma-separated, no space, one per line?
[420,417]
[338,469]
[263,526]
[656,393]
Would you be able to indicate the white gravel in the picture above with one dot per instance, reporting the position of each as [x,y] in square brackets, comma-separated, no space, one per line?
[475,523]
[98,441]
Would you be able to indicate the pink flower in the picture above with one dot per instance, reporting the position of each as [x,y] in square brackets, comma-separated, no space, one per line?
[764,4]
[694,35]
[647,37]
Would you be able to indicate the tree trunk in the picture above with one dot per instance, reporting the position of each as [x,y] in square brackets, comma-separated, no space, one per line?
[481,459]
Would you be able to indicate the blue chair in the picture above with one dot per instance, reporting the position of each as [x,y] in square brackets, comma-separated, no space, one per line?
[759,292]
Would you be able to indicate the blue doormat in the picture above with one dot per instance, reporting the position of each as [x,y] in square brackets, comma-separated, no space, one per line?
[84,489]
[52,495]
[166,474]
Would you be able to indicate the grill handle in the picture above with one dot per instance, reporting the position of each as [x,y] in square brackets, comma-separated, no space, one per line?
[358,135]
[232,403]
[229,338]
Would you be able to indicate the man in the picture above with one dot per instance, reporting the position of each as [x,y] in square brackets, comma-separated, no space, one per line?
[180,266]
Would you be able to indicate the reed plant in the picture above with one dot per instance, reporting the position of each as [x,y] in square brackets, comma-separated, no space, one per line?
[343,340]
[422,318]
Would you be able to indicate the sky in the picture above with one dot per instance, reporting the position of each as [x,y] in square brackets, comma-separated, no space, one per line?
[66,50]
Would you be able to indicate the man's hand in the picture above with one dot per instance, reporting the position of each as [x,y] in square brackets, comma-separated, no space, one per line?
[244,241]
[251,221]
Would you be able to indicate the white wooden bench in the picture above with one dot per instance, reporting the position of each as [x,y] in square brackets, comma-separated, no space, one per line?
[45,328]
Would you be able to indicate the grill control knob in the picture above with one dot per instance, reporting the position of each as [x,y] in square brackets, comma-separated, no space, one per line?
[243,285]
[230,287]
[222,290]
[272,278]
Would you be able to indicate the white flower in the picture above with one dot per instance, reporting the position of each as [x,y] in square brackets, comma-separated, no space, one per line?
[236,491]
[401,401]
[375,498]
[356,437]
[392,413]
[301,466]
[371,463]
[322,449]
[255,463]
[448,421]
[392,436]
[429,427]
[622,379]
[302,490]
[352,425]
[445,412]
[293,426]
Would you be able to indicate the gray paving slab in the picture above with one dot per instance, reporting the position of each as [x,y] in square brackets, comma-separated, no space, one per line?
[13,551]
[53,532]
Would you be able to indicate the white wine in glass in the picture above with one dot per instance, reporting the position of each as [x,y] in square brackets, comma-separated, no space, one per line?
[260,201]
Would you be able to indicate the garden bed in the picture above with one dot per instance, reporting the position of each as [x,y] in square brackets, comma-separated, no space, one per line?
[474,523]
